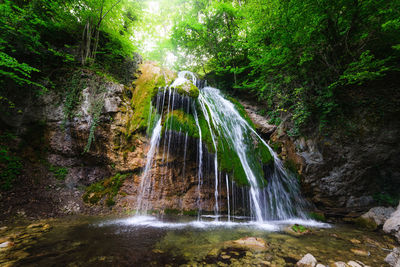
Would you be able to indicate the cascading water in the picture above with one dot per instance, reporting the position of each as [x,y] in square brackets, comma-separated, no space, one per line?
[256,183]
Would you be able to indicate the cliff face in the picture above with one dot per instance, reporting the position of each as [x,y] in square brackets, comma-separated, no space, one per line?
[341,173]
[63,156]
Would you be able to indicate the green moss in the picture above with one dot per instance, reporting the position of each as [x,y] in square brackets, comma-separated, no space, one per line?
[146,87]
[171,211]
[299,229]
[188,89]
[59,172]
[180,121]
[229,162]
[106,188]
[190,212]
[263,153]
[318,216]
[366,223]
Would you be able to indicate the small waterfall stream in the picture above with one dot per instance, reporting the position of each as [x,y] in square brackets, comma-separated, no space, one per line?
[256,183]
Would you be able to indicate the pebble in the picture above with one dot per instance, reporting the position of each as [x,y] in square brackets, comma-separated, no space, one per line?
[6,244]
[339,264]
[353,264]
[360,252]
[355,241]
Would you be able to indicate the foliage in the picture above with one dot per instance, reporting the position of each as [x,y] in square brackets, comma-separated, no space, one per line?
[317,216]
[39,40]
[73,89]
[304,57]
[300,229]
[386,199]
[106,188]
[59,172]
[10,165]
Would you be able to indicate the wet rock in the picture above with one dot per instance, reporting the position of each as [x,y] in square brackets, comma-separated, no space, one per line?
[339,264]
[20,254]
[355,241]
[6,244]
[378,215]
[307,261]
[320,265]
[393,259]
[360,252]
[297,230]
[255,243]
[354,264]
[392,225]
[35,225]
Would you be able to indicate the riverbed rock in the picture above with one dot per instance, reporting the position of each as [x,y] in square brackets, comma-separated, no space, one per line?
[378,215]
[392,225]
[308,260]
[360,252]
[252,243]
[353,264]
[393,258]
[339,264]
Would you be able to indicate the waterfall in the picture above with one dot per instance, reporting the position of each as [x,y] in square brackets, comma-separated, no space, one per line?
[256,182]
[146,177]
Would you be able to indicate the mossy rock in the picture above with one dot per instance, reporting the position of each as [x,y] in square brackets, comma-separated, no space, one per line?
[188,89]
[146,86]
[318,216]
[366,223]
[179,121]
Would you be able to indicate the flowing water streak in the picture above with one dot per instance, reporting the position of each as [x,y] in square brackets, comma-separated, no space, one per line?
[146,177]
[207,116]
[227,195]
[200,167]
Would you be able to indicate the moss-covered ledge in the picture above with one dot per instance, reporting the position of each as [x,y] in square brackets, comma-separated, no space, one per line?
[186,88]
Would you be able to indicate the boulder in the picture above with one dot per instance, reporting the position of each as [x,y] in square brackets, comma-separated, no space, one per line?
[393,259]
[392,225]
[379,215]
[307,261]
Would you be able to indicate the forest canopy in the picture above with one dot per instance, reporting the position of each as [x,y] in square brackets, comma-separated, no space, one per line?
[303,56]
[315,59]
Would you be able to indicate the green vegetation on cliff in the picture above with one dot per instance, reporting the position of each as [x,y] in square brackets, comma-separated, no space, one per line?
[108,188]
[41,41]
[145,88]
[10,164]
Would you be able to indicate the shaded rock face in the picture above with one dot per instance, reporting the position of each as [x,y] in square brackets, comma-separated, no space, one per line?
[340,173]
[117,147]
